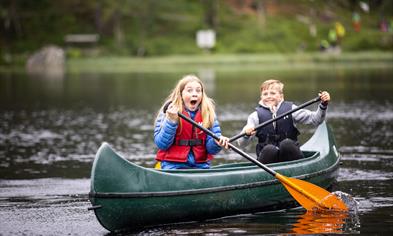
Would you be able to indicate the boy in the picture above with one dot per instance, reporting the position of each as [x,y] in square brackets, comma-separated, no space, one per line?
[278,141]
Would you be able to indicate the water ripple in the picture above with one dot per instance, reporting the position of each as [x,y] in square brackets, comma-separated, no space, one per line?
[352,174]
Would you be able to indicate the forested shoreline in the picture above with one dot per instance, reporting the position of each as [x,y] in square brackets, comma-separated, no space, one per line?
[160,28]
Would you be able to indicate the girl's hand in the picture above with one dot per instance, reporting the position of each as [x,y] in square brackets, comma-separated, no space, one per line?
[249,130]
[223,142]
[325,97]
[171,113]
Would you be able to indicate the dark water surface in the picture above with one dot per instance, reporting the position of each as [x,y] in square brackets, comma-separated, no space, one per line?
[50,129]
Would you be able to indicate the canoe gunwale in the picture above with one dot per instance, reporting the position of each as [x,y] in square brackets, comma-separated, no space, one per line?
[242,166]
[330,169]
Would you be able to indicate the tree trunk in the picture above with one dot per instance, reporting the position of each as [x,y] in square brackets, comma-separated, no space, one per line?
[261,13]
[118,30]
[211,9]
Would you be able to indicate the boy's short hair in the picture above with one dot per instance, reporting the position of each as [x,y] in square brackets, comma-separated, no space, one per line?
[272,83]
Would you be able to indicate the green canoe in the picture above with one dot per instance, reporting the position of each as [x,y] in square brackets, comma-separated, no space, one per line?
[126,196]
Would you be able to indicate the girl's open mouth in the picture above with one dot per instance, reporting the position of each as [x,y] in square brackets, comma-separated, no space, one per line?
[193,102]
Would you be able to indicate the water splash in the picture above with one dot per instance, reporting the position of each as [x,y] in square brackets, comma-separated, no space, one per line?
[349,201]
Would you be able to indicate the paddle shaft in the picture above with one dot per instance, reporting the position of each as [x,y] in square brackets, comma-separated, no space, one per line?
[233,147]
[277,118]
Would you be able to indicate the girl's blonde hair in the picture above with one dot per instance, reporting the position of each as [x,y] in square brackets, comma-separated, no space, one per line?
[206,107]
[273,83]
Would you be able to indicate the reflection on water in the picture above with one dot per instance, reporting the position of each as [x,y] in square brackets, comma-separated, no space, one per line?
[326,223]
[295,221]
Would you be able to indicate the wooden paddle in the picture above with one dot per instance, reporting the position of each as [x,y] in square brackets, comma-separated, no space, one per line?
[317,99]
[310,196]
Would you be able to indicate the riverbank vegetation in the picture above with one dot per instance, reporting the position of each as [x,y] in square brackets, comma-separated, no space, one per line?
[161,28]
[233,62]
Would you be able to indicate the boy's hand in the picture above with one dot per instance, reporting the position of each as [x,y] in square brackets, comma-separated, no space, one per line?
[325,97]
[249,130]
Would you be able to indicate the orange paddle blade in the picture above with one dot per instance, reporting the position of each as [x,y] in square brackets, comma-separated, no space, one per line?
[311,196]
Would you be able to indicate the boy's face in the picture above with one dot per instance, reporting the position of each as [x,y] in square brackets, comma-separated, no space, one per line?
[271,96]
[192,95]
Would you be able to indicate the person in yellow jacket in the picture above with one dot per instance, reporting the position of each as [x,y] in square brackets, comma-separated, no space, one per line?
[340,30]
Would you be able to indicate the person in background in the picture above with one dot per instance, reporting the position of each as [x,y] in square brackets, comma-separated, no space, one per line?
[332,36]
[181,145]
[340,31]
[278,142]
[356,24]
[324,45]
[383,25]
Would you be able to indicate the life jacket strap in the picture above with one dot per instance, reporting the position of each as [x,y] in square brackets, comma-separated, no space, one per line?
[190,142]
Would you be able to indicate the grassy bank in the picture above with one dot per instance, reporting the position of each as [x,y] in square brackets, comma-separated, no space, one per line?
[223,63]
[232,62]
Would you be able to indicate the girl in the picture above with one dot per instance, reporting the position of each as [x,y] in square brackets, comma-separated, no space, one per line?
[181,145]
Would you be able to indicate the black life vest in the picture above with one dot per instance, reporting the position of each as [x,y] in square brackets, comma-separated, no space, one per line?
[284,127]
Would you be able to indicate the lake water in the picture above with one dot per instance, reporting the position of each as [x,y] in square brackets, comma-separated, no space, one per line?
[51,127]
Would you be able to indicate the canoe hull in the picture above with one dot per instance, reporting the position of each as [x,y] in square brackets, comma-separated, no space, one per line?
[129,197]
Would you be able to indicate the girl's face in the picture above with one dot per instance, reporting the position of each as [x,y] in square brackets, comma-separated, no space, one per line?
[192,95]
[271,97]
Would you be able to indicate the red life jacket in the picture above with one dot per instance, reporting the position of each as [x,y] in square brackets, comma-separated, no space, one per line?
[187,139]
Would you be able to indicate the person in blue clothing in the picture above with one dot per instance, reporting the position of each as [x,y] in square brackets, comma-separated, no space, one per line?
[180,144]
[278,141]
